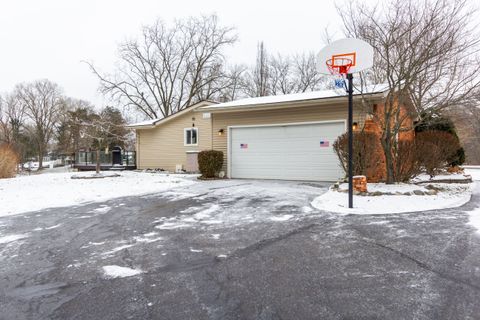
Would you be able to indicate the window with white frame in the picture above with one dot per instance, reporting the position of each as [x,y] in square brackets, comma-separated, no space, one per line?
[191,136]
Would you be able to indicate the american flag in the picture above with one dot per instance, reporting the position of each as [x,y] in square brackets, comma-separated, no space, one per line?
[243,146]
[324,143]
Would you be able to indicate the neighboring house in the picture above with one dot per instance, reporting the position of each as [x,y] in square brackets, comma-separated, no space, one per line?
[287,137]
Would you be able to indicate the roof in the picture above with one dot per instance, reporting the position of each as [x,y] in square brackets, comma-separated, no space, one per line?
[151,123]
[295,97]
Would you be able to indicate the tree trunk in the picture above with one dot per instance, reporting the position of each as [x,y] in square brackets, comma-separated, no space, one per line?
[389,163]
[97,167]
[40,158]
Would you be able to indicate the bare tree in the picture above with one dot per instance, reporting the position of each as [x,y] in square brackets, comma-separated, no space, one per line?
[424,51]
[306,76]
[12,117]
[234,83]
[281,80]
[169,68]
[258,78]
[103,130]
[42,101]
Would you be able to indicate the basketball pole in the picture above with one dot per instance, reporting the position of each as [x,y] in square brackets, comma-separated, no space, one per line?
[350,140]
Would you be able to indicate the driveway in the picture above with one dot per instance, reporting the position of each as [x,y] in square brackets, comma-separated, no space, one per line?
[237,249]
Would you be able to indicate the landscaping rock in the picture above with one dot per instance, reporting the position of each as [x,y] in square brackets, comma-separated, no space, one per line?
[418,192]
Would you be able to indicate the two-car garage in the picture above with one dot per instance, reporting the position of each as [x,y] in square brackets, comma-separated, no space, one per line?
[302,151]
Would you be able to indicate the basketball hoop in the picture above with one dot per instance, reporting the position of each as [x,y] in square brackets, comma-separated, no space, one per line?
[339,66]
[342,59]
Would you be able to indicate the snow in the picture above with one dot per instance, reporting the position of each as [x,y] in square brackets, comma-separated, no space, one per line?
[454,177]
[282,218]
[474,219]
[12,237]
[473,171]
[453,195]
[120,272]
[314,95]
[149,122]
[48,190]
[474,215]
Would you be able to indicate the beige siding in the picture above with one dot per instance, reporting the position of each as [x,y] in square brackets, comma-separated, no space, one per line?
[163,146]
[277,116]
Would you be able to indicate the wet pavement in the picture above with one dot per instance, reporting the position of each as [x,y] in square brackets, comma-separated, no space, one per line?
[238,250]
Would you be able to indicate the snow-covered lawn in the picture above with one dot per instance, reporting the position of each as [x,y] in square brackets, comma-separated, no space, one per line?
[449,195]
[47,190]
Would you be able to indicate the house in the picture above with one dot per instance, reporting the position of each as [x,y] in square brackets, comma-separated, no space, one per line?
[286,137]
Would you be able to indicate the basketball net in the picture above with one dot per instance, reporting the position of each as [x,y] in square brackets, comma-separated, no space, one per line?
[338,68]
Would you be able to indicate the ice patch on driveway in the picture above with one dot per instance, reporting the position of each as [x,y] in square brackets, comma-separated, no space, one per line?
[103,209]
[172,225]
[12,237]
[207,213]
[148,238]
[114,250]
[475,219]
[120,272]
[282,218]
[53,227]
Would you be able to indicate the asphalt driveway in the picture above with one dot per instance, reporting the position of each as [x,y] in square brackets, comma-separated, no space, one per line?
[238,250]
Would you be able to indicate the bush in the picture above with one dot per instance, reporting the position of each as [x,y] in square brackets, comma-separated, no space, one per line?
[407,165]
[442,123]
[210,162]
[435,150]
[364,152]
[8,161]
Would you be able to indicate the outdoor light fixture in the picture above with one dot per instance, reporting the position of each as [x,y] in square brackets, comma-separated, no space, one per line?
[220,132]
[355,126]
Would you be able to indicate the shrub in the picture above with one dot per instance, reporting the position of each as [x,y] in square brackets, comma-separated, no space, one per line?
[364,152]
[8,161]
[442,123]
[407,165]
[210,162]
[435,149]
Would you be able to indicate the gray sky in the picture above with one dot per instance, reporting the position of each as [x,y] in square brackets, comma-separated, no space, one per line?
[50,38]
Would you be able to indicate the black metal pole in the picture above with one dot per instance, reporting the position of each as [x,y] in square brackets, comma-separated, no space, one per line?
[350,140]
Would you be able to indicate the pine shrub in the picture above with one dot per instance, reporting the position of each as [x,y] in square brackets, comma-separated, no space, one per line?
[210,162]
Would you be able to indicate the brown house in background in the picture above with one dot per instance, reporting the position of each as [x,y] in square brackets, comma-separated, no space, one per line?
[287,137]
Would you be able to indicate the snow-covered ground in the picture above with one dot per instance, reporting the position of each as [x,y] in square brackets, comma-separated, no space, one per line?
[452,195]
[474,215]
[47,190]
[449,196]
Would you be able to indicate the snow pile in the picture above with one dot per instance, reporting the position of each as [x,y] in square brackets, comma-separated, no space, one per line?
[448,196]
[47,190]
[473,171]
[120,272]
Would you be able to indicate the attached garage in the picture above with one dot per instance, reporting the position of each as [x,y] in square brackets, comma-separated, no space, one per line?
[300,151]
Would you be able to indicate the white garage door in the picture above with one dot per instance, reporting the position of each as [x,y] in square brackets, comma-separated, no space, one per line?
[288,152]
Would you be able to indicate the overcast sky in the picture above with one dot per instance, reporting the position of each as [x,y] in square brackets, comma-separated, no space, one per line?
[49,38]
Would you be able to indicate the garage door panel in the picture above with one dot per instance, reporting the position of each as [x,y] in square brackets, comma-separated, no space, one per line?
[285,152]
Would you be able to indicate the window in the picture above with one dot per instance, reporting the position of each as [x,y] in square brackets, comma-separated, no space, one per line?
[191,136]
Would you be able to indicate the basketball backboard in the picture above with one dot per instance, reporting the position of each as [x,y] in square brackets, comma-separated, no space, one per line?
[345,55]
